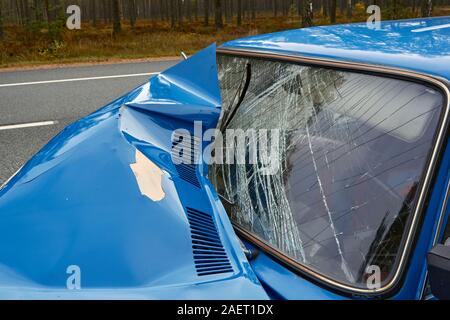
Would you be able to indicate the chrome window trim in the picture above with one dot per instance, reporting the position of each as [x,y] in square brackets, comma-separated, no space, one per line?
[441,83]
[436,236]
[441,215]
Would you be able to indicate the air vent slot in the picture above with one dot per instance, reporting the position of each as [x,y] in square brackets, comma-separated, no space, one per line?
[210,256]
[187,171]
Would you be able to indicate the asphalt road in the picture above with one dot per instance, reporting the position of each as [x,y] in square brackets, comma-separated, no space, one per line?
[59,101]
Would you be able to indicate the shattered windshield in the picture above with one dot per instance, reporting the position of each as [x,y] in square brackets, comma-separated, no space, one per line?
[350,152]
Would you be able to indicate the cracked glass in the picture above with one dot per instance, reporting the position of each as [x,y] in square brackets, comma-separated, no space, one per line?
[352,151]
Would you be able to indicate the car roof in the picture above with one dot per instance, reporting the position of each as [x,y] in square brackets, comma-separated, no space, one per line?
[421,45]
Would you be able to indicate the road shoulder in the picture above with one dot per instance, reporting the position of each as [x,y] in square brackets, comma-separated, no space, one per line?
[85,64]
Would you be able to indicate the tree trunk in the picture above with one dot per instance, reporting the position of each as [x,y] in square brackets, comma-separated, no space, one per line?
[19,11]
[173,13]
[189,10]
[285,8]
[180,12]
[145,9]
[218,14]
[94,13]
[196,10]
[105,6]
[349,9]
[161,10]
[47,11]
[2,34]
[26,12]
[37,10]
[333,5]
[306,13]
[231,5]
[51,10]
[132,12]
[253,9]
[151,10]
[226,10]
[342,7]
[325,8]
[427,8]
[206,12]
[239,12]
[117,26]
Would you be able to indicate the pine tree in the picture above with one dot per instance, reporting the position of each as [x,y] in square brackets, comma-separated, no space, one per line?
[117,26]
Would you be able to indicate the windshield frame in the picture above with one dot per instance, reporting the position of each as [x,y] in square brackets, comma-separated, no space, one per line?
[442,85]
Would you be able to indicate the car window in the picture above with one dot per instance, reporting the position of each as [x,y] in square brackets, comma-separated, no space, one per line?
[351,150]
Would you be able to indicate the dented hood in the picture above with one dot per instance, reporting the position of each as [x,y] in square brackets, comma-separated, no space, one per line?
[102,211]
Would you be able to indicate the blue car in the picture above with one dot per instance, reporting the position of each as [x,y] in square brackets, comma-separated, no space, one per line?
[305,164]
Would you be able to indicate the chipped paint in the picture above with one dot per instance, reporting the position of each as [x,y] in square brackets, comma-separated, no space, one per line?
[148,176]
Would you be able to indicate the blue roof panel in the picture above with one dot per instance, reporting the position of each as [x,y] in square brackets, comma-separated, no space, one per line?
[421,45]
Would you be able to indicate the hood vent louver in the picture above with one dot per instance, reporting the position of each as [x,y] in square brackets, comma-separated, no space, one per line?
[210,256]
[187,171]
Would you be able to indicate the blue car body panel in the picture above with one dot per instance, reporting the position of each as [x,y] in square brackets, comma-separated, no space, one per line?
[79,202]
[414,44]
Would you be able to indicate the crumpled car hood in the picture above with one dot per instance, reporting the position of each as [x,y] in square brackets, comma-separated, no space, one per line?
[105,196]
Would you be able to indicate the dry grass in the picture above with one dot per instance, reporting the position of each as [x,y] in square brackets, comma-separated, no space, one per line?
[146,40]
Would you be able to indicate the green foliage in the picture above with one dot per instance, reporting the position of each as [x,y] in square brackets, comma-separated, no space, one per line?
[55,29]
[53,50]
[396,9]
[36,27]
[58,26]
[293,11]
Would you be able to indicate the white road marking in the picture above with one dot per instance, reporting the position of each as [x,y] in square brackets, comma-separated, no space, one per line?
[28,125]
[442,26]
[78,79]
[10,178]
